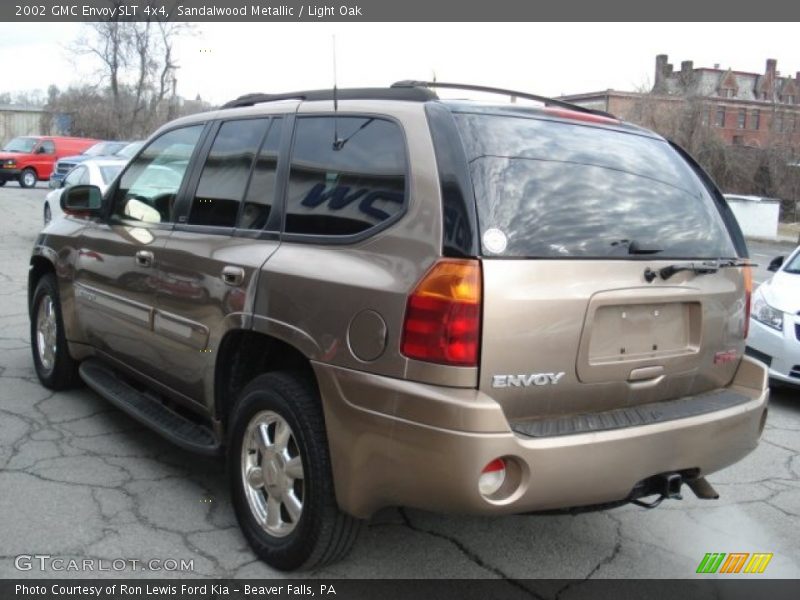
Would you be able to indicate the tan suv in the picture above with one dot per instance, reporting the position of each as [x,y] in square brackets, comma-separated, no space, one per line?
[376,298]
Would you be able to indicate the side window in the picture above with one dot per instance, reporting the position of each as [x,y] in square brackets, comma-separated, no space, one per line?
[225,173]
[47,147]
[76,177]
[149,185]
[261,192]
[346,186]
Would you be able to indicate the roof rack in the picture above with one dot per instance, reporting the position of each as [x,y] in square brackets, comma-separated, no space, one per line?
[412,94]
[410,84]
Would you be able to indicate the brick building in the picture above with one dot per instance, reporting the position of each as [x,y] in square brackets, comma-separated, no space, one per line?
[752,109]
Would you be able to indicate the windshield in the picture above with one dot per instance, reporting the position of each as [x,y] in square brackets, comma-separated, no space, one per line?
[20,144]
[793,266]
[129,150]
[550,189]
[104,148]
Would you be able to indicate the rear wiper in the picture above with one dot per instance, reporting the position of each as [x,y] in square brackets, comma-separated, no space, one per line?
[701,268]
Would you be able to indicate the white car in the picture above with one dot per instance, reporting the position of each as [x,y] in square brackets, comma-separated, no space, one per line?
[775,321]
[98,171]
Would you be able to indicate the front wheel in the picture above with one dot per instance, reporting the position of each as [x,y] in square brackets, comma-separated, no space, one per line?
[280,475]
[27,178]
[54,366]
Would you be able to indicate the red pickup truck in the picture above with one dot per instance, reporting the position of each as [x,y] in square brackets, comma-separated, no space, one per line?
[29,159]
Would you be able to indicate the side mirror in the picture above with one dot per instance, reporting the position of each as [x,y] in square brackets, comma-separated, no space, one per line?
[82,200]
[775,263]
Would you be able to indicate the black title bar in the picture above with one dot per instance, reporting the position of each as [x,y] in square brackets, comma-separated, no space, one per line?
[400,10]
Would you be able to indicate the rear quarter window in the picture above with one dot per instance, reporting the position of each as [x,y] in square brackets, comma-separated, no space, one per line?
[554,189]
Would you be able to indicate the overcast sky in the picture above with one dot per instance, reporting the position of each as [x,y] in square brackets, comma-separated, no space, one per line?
[222,61]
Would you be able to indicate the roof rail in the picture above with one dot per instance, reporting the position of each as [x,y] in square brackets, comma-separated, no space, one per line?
[493,90]
[412,94]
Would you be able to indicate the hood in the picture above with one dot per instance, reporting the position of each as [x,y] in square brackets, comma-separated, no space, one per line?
[13,155]
[783,292]
[75,158]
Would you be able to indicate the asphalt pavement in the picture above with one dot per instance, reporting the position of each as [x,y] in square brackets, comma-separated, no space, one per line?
[80,480]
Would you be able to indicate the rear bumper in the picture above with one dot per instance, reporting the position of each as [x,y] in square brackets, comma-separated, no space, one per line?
[400,443]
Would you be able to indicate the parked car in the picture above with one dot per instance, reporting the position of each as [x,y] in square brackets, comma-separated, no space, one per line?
[30,159]
[394,300]
[99,172]
[775,321]
[64,165]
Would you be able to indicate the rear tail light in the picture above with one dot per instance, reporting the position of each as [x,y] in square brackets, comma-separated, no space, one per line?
[443,315]
[492,477]
[747,272]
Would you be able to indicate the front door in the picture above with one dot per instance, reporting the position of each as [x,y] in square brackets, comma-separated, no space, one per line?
[117,263]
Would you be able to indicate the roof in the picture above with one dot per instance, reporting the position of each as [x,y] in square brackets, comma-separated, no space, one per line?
[21,108]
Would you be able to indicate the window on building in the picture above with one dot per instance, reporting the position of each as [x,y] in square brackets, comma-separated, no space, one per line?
[346,187]
[778,122]
[755,119]
[788,99]
[738,140]
[720,119]
[741,120]
[225,173]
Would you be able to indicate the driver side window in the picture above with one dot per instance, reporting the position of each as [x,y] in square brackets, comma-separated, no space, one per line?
[149,186]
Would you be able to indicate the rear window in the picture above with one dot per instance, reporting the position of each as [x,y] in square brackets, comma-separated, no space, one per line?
[550,189]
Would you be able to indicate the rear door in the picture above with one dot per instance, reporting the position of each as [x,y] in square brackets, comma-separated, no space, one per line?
[575,219]
[211,262]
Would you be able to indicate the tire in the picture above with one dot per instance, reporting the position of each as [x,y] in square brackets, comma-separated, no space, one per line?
[27,178]
[48,215]
[54,366]
[2,182]
[322,533]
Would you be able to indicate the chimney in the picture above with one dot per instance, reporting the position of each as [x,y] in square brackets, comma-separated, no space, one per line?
[687,66]
[772,65]
[716,66]
[797,77]
[663,70]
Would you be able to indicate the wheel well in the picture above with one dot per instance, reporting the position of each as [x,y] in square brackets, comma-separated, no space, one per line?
[39,267]
[242,356]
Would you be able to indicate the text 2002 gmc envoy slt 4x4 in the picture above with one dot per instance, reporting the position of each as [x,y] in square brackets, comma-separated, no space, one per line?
[374,297]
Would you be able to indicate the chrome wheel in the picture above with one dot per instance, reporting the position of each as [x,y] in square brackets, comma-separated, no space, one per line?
[46,333]
[28,178]
[272,473]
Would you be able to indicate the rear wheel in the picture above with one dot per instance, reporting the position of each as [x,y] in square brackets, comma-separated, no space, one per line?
[281,478]
[54,366]
[27,178]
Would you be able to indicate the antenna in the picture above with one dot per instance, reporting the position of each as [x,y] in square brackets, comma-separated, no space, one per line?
[337,142]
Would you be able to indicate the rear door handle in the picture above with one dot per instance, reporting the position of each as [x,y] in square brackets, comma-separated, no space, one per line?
[233,275]
[144,258]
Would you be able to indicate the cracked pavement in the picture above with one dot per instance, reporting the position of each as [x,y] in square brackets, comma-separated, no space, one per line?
[79,479]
